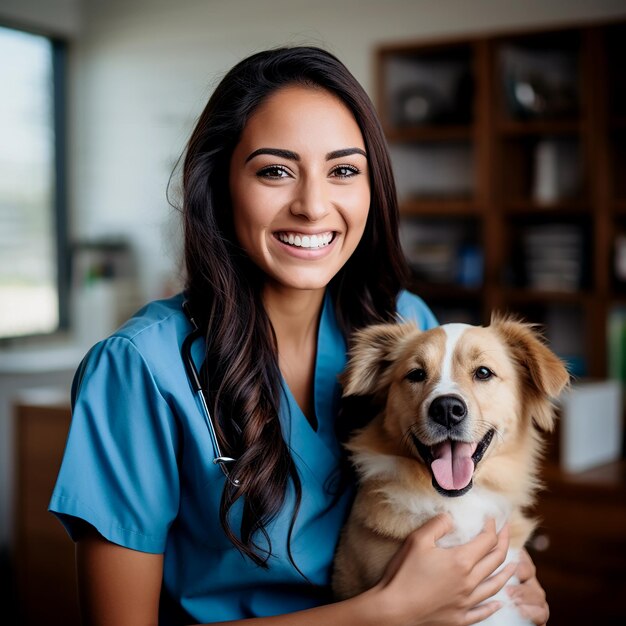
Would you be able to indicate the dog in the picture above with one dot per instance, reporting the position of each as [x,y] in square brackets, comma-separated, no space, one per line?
[463,411]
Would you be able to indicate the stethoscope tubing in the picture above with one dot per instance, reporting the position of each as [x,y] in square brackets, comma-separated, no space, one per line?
[194,380]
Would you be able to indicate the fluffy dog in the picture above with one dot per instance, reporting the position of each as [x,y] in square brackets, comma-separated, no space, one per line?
[463,410]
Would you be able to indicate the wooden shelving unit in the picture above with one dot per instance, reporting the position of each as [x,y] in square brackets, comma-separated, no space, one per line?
[517,144]
[522,209]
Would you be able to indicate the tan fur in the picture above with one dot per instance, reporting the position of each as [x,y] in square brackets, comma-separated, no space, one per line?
[394,480]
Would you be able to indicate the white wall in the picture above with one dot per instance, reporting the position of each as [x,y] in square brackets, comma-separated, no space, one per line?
[50,17]
[143,69]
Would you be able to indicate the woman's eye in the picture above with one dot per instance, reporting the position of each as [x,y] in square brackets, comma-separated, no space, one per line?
[274,171]
[345,171]
[417,375]
[483,373]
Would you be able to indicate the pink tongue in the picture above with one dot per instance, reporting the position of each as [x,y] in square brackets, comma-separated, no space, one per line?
[453,466]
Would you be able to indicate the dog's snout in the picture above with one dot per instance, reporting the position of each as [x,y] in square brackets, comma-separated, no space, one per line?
[447,410]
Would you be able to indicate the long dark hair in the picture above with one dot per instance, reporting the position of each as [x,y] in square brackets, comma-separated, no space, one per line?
[240,374]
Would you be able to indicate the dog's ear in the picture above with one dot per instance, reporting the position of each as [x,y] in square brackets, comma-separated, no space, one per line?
[544,371]
[373,350]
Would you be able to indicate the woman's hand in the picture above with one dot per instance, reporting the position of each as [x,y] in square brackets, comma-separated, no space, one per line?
[529,597]
[427,585]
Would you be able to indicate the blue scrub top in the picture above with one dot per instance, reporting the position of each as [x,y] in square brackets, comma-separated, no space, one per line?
[138,466]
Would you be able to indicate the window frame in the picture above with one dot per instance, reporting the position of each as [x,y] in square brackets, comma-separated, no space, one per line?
[59,205]
[60,208]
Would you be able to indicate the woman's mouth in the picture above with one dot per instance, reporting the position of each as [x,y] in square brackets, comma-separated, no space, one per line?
[301,240]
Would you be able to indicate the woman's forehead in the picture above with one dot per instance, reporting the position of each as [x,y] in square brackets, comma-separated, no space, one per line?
[302,116]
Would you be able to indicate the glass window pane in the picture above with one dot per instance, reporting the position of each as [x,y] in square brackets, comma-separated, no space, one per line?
[28,268]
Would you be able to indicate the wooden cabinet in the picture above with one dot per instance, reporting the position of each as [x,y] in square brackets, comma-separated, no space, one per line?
[580,547]
[510,158]
[44,554]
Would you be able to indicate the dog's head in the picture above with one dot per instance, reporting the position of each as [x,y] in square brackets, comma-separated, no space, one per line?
[458,394]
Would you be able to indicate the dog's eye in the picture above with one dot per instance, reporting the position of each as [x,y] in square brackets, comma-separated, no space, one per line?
[416,376]
[483,373]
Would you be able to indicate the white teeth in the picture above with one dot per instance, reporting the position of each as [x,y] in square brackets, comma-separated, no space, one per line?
[306,241]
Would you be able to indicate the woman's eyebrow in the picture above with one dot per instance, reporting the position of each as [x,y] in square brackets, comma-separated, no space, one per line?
[294,156]
[338,154]
[285,154]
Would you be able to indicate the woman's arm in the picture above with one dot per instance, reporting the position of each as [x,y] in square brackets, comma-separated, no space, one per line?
[116,585]
[423,584]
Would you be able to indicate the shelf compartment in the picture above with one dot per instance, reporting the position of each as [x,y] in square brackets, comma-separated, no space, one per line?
[444,252]
[543,171]
[434,171]
[451,302]
[548,256]
[435,86]
[539,79]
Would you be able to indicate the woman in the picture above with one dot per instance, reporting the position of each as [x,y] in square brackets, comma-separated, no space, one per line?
[290,243]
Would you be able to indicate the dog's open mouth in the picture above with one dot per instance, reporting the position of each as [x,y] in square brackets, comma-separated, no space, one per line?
[452,463]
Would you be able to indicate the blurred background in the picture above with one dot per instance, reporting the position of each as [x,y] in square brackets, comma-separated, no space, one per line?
[506,121]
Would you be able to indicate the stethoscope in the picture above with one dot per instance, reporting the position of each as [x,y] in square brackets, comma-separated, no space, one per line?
[194,379]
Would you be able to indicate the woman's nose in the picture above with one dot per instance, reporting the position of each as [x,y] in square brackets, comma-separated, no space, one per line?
[311,201]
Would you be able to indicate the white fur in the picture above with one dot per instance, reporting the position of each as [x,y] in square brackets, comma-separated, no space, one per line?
[375,465]
[469,513]
[446,382]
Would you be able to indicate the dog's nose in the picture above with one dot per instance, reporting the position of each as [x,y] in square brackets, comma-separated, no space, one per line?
[447,410]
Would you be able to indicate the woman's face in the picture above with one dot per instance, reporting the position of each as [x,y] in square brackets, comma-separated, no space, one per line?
[299,187]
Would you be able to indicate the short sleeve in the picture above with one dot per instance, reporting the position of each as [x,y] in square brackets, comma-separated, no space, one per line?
[412,308]
[119,470]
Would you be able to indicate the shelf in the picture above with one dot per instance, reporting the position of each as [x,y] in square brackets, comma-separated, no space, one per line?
[430,133]
[434,207]
[433,291]
[619,206]
[517,128]
[549,209]
[526,296]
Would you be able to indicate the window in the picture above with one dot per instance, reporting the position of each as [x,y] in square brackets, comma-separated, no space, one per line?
[33,274]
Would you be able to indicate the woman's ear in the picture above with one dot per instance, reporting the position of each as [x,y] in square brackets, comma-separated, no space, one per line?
[373,350]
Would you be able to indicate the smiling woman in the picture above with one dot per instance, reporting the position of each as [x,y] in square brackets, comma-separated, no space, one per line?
[291,243]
